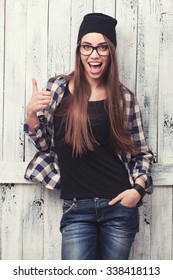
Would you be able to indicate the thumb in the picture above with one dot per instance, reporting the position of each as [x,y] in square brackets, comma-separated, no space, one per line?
[34,86]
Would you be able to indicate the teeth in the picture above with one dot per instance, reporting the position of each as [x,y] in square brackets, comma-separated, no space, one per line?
[95,63]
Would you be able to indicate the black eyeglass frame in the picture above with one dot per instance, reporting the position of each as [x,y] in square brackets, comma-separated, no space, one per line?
[92,49]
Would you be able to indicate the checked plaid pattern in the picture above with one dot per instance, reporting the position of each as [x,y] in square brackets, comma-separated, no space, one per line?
[43,168]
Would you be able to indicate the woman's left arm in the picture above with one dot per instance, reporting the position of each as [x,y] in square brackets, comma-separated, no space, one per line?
[140,164]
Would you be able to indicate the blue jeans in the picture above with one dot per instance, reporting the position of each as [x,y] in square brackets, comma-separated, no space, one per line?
[91,229]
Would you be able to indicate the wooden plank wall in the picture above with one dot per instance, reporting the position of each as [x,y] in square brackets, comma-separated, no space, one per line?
[38,39]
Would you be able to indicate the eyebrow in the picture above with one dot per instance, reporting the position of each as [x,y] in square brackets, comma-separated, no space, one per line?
[103,43]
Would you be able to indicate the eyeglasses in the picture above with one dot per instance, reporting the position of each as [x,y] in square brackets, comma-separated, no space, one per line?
[87,50]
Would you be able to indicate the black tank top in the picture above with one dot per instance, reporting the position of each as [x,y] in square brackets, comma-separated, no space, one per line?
[99,173]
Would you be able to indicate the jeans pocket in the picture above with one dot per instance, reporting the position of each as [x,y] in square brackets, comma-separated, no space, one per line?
[134,207]
[129,217]
[67,206]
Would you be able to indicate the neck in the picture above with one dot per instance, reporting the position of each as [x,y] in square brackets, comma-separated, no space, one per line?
[94,83]
[98,92]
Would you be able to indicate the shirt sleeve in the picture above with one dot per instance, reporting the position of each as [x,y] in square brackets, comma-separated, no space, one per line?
[141,162]
[41,139]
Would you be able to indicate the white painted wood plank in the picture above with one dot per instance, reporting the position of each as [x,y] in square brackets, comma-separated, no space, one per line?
[79,9]
[11,222]
[52,216]
[36,53]
[126,41]
[163,174]
[13,172]
[14,88]
[147,68]
[165,116]
[106,7]
[36,66]
[14,75]
[162,224]
[1,73]
[1,228]
[59,37]
[33,222]
[141,246]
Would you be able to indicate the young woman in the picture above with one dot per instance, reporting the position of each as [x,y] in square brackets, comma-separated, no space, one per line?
[87,128]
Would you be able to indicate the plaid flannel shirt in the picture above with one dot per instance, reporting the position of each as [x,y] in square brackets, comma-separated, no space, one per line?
[44,169]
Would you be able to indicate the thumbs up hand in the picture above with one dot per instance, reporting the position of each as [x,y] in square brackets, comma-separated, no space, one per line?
[39,99]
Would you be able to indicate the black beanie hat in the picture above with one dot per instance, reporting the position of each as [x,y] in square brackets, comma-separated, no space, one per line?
[99,23]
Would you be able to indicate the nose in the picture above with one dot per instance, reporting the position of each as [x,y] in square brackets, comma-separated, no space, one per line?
[94,53]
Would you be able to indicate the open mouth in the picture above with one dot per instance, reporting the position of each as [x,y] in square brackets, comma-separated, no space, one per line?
[95,66]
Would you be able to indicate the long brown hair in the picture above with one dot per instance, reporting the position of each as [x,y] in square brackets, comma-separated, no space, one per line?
[78,132]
